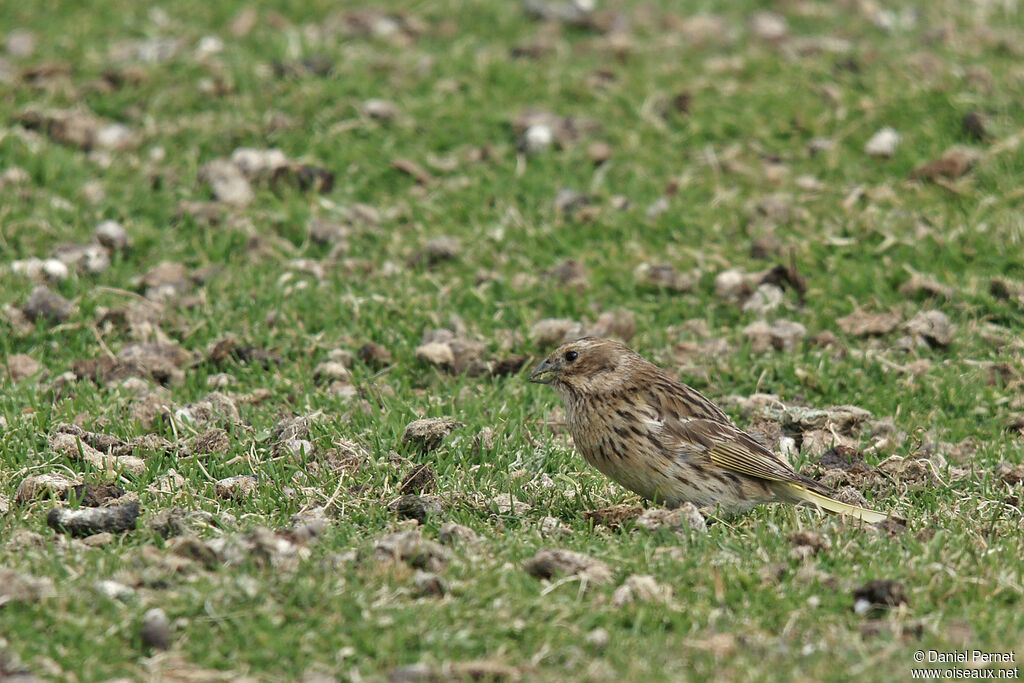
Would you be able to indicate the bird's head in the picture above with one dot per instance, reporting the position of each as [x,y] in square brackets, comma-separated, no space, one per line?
[589,365]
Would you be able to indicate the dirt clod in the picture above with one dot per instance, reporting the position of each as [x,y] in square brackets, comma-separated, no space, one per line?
[420,479]
[17,587]
[237,487]
[682,518]
[416,507]
[428,433]
[878,594]
[89,521]
[807,543]
[93,495]
[45,304]
[21,366]
[410,547]
[548,564]
[375,356]
[933,326]
[613,516]
[641,588]
[1011,474]
[864,324]
[430,584]
[156,629]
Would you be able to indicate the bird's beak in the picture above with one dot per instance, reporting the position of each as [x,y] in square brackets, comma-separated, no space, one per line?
[543,373]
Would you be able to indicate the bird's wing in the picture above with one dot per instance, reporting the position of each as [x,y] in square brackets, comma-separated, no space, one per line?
[727,447]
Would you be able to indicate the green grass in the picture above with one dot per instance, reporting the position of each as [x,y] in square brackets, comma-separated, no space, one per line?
[458,89]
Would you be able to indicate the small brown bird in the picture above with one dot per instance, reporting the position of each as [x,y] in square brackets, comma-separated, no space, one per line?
[665,440]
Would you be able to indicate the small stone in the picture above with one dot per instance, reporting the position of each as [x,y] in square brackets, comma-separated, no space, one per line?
[883,143]
[236,488]
[427,434]
[548,564]
[156,629]
[112,235]
[47,305]
[21,366]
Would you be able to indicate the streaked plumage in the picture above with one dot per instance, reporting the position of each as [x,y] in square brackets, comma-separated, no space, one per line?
[665,440]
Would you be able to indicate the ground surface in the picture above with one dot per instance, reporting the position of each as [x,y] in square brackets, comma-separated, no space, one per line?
[449,176]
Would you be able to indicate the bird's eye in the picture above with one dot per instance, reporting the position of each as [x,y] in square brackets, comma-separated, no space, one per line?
[570,356]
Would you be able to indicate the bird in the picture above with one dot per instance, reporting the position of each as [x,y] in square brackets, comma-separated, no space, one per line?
[665,440]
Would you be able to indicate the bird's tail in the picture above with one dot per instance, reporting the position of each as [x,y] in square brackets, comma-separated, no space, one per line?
[803,494]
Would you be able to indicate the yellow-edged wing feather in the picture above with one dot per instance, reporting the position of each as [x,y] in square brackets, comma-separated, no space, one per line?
[730,448]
